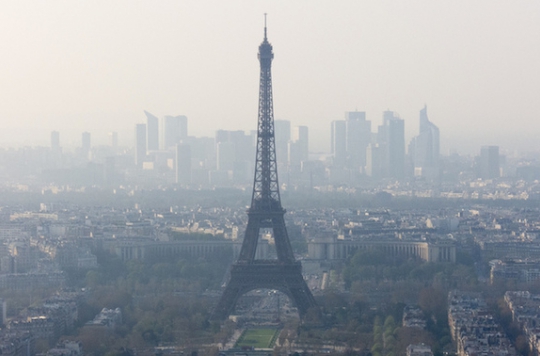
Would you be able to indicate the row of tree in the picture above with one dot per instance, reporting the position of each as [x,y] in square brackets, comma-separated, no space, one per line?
[162,302]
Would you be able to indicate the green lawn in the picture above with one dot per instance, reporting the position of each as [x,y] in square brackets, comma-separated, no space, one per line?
[258,338]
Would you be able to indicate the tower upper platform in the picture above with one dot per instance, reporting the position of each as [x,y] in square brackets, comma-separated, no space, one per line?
[265,49]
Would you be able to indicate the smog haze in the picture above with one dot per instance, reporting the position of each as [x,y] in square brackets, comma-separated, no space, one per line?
[95,66]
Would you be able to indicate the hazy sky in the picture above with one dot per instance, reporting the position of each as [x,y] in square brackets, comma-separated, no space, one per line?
[76,66]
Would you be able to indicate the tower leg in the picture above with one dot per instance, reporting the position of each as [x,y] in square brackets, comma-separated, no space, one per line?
[227,302]
[286,278]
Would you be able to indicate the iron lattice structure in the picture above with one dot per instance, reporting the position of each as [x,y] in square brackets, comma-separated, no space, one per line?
[247,273]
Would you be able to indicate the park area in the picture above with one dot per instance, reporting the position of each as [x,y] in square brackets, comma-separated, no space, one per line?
[262,338]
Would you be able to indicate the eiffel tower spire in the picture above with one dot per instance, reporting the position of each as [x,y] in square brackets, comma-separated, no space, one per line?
[265,212]
[265,187]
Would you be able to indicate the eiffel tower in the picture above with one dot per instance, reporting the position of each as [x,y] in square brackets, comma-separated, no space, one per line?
[247,273]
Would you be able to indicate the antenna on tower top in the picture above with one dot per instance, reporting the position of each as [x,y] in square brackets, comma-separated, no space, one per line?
[265,25]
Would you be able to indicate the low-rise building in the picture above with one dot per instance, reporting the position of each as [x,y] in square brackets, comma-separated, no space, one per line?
[413,317]
[519,270]
[332,248]
[108,318]
[473,328]
[525,308]
[16,343]
[419,350]
[31,280]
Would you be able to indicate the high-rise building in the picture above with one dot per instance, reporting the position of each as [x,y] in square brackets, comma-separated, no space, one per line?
[294,152]
[174,130]
[282,129]
[183,126]
[297,149]
[300,135]
[152,132]
[242,145]
[183,164]
[140,144]
[489,162]
[338,142]
[391,140]
[358,138]
[225,156]
[202,150]
[222,136]
[234,152]
[55,140]
[424,149]
[203,158]
[374,161]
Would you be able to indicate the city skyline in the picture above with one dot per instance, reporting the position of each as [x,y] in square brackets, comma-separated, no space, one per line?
[287,134]
[80,67]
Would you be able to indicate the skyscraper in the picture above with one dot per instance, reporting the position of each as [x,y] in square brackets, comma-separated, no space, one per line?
[338,142]
[174,130]
[223,136]
[374,161]
[489,162]
[300,135]
[183,164]
[242,145]
[283,136]
[225,156]
[140,144]
[391,140]
[234,152]
[424,149]
[294,152]
[152,132]
[358,138]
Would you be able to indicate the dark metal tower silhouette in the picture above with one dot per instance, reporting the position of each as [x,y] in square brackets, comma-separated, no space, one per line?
[284,273]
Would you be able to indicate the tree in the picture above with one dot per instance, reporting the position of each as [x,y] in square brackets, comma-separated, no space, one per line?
[433,302]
